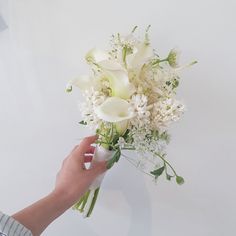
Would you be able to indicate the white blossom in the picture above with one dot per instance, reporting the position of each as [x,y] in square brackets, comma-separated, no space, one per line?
[139,105]
[93,99]
[165,112]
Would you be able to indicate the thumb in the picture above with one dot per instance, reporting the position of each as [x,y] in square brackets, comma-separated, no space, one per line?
[97,168]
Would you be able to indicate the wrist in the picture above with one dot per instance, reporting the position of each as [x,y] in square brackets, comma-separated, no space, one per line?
[63,198]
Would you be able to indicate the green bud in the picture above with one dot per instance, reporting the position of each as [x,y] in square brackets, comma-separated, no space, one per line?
[173,58]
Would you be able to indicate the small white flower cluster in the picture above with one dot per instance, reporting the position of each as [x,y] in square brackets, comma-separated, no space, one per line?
[119,42]
[93,99]
[165,112]
[139,106]
[148,118]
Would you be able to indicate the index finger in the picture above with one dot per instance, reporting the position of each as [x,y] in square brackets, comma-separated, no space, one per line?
[85,145]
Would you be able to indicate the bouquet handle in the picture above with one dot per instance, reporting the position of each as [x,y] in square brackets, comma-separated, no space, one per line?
[87,202]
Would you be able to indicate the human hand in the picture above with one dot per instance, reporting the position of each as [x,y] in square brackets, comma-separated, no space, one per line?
[73,180]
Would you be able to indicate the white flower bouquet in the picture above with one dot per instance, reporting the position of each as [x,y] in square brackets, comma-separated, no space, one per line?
[130,100]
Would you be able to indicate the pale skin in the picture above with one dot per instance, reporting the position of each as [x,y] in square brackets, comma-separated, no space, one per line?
[72,181]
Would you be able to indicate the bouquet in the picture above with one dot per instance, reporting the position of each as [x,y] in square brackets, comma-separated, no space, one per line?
[130,101]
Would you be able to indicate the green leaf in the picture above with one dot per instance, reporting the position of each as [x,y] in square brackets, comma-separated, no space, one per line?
[168,177]
[82,122]
[115,158]
[179,180]
[69,89]
[175,83]
[158,172]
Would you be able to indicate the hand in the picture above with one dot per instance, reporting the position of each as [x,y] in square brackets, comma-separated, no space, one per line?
[73,180]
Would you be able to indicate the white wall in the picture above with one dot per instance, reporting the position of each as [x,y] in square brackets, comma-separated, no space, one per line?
[44,47]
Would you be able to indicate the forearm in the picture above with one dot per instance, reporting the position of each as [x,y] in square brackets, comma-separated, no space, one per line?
[40,214]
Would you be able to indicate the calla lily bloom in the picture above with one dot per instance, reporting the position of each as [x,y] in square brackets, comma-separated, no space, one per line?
[83,82]
[141,54]
[118,78]
[119,83]
[114,72]
[96,55]
[114,109]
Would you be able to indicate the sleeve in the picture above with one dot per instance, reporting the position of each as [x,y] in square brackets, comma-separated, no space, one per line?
[11,227]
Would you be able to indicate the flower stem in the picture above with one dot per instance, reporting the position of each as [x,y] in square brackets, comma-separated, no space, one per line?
[82,202]
[166,162]
[93,202]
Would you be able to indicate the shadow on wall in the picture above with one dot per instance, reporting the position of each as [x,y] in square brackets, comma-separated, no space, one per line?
[3,24]
[132,186]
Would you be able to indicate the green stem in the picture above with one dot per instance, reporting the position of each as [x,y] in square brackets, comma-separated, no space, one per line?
[77,205]
[162,60]
[157,61]
[93,202]
[165,161]
[124,53]
[84,201]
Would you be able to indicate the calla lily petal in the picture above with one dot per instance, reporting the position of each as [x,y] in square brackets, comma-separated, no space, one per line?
[119,82]
[114,109]
[142,53]
[121,126]
[118,78]
[96,55]
[83,82]
[110,65]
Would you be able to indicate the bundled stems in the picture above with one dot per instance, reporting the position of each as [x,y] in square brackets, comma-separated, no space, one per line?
[81,204]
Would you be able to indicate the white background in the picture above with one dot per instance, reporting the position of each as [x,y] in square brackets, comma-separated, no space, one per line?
[44,47]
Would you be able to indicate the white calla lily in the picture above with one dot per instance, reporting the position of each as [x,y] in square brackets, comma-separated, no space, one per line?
[119,83]
[96,55]
[83,82]
[143,51]
[114,109]
[118,79]
[110,65]
[122,126]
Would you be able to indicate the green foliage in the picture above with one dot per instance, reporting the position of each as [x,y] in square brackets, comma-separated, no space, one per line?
[168,177]
[82,122]
[179,180]
[175,83]
[69,89]
[115,158]
[158,172]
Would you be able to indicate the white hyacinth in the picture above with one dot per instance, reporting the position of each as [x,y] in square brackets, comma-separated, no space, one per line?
[165,112]
[92,100]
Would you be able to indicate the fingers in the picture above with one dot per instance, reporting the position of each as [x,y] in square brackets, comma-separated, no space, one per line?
[90,150]
[97,169]
[85,145]
[84,148]
[88,159]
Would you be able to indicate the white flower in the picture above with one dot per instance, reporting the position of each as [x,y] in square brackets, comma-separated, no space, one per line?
[118,79]
[114,109]
[165,112]
[92,100]
[83,82]
[114,72]
[121,142]
[141,55]
[96,55]
[140,107]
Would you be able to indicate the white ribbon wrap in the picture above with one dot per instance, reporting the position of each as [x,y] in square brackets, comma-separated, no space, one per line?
[100,154]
